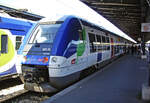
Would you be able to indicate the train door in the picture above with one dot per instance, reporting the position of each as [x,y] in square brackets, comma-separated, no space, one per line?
[108,50]
[112,47]
[92,55]
[82,48]
[106,47]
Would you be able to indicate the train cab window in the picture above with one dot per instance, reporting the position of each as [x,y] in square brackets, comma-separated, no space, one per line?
[18,42]
[4,44]
[44,33]
[92,42]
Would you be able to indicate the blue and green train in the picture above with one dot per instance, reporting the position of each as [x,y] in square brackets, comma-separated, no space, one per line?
[57,53]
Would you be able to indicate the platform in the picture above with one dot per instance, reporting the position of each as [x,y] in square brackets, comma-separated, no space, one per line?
[119,82]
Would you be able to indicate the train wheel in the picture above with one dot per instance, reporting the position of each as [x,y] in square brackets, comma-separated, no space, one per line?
[87,72]
[97,66]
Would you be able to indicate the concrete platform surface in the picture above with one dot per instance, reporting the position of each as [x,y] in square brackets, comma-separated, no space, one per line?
[119,82]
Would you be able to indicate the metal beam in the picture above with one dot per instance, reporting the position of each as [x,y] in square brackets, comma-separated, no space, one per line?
[136,18]
[126,21]
[119,13]
[114,4]
[18,13]
[117,9]
[121,16]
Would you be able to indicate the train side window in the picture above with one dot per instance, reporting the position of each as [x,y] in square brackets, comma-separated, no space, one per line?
[103,39]
[92,42]
[4,43]
[18,42]
[80,34]
[108,45]
[104,42]
[99,44]
[98,38]
[107,39]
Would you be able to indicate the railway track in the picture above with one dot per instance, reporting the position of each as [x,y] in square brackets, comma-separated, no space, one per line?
[11,88]
[11,92]
[17,93]
[29,97]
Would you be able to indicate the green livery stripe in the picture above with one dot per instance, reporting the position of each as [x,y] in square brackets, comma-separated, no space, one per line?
[81,46]
[80,49]
[5,58]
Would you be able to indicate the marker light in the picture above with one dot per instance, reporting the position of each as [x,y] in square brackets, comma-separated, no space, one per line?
[45,59]
[24,59]
[73,61]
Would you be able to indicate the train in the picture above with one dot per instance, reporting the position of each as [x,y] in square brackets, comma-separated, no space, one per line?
[12,32]
[7,58]
[57,53]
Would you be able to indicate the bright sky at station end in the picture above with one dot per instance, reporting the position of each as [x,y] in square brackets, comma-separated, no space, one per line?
[59,8]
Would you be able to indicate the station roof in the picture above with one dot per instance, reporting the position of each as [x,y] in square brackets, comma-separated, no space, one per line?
[125,14]
[20,13]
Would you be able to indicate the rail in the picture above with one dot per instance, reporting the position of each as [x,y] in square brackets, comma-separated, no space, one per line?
[12,92]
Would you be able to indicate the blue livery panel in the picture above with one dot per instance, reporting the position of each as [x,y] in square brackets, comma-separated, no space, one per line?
[72,49]
[67,32]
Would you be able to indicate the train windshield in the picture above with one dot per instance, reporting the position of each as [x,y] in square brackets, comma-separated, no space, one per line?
[45,33]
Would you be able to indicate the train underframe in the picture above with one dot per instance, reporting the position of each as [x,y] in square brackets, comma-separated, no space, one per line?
[36,77]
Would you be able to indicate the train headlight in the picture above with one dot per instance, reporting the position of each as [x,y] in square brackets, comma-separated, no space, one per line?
[45,59]
[54,59]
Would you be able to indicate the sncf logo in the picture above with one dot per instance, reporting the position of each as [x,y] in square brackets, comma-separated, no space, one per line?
[73,61]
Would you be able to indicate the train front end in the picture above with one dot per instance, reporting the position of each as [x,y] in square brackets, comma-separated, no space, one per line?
[53,55]
[7,55]
[36,57]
